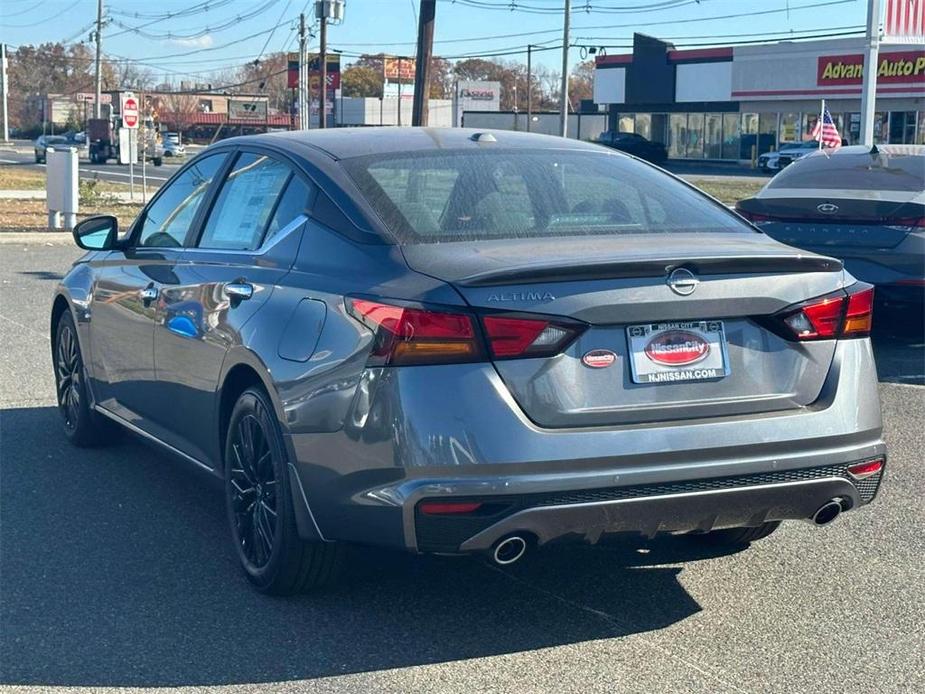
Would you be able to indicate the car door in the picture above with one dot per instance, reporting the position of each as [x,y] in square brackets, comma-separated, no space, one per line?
[128,285]
[245,246]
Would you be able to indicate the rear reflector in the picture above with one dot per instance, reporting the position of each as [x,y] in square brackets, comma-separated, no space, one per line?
[839,315]
[438,508]
[406,335]
[866,469]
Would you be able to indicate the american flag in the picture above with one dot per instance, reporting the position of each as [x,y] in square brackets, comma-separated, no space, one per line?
[826,131]
[904,21]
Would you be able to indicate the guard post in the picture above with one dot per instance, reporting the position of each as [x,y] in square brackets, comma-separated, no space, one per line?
[61,195]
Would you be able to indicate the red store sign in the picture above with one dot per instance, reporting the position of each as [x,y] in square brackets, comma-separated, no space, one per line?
[906,67]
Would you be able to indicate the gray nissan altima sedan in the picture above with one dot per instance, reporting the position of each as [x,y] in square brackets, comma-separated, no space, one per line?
[456,341]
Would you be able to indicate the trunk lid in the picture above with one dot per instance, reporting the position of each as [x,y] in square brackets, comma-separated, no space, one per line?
[614,283]
[819,220]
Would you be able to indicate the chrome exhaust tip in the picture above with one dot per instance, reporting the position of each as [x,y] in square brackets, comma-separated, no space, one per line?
[508,550]
[828,512]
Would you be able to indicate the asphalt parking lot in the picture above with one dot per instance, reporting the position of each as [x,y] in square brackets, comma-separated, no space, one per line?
[116,571]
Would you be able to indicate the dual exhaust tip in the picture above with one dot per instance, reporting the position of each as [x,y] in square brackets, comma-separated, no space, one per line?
[512,548]
[828,512]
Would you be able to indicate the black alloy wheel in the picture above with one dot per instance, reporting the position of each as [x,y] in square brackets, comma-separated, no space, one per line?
[254,491]
[69,372]
[259,500]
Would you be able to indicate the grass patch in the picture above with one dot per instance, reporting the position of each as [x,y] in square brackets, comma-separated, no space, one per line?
[31,215]
[731,191]
[15,178]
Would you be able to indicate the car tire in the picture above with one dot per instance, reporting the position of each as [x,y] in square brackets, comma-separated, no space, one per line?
[82,426]
[738,536]
[259,505]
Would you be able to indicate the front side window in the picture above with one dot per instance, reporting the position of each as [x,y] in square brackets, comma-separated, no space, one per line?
[169,218]
[432,197]
[245,203]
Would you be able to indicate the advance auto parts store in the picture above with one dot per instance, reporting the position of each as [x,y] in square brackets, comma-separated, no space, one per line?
[715,103]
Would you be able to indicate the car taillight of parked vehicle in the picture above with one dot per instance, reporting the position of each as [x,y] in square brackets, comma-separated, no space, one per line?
[752,217]
[844,314]
[907,222]
[411,335]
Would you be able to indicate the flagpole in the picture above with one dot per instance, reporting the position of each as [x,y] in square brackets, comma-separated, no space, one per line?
[869,84]
[821,123]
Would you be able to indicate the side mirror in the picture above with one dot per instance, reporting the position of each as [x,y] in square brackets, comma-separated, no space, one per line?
[97,233]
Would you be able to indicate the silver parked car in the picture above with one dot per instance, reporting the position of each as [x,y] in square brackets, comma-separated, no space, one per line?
[864,206]
[454,341]
[771,162]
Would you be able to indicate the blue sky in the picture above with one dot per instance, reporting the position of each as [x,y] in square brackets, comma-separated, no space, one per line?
[231,31]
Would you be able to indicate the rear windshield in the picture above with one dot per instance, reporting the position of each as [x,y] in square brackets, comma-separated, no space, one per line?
[855,172]
[447,195]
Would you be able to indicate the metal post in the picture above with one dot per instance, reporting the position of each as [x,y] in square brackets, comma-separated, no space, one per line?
[869,84]
[821,122]
[132,149]
[428,11]
[323,87]
[302,72]
[4,82]
[144,159]
[529,85]
[563,95]
[97,107]
[399,90]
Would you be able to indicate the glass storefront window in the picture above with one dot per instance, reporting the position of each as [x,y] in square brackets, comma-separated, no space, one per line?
[731,136]
[677,136]
[748,135]
[902,127]
[659,128]
[644,125]
[881,131]
[767,132]
[625,123]
[713,135]
[789,128]
[920,138]
[695,136]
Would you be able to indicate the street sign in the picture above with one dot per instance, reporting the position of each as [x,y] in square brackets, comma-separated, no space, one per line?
[129,111]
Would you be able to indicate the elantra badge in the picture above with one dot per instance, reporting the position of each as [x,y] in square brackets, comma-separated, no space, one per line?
[827,208]
[677,348]
[599,358]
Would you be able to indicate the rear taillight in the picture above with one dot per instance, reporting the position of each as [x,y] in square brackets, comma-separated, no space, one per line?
[406,335]
[511,337]
[840,315]
[914,222]
[753,217]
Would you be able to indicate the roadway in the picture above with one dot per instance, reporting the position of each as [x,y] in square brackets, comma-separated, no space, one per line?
[117,571]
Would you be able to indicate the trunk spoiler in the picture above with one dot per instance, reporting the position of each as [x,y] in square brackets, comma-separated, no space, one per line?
[650,267]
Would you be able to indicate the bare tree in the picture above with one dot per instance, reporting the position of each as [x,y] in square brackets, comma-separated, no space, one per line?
[178,111]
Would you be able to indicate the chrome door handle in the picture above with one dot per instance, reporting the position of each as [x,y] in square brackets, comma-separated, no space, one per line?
[148,294]
[239,291]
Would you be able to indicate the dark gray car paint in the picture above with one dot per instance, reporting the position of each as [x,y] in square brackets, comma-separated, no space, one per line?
[366,443]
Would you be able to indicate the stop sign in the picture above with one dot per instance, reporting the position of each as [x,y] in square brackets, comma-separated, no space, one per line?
[129,111]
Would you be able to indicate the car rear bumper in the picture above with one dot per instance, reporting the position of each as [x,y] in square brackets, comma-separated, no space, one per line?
[414,441]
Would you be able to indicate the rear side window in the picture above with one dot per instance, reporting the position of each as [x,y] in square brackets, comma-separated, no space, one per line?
[855,172]
[292,203]
[169,218]
[246,203]
[432,197]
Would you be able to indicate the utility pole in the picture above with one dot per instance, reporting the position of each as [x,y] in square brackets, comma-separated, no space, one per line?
[422,66]
[869,84]
[5,83]
[323,87]
[563,95]
[399,90]
[303,76]
[97,107]
[529,85]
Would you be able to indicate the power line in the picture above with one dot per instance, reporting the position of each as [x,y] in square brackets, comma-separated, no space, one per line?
[587,7]
[196,33]
[197,8]
[42,21]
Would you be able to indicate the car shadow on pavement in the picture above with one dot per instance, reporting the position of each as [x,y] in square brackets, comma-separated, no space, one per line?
[117,570]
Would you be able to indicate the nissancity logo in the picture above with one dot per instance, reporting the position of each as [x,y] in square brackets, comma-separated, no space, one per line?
[677,348]
[827,208]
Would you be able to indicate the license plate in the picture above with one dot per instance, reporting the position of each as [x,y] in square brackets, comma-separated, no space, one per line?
[677,352]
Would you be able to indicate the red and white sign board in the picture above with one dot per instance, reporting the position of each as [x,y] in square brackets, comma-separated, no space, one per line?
[129,111]
[904,21]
